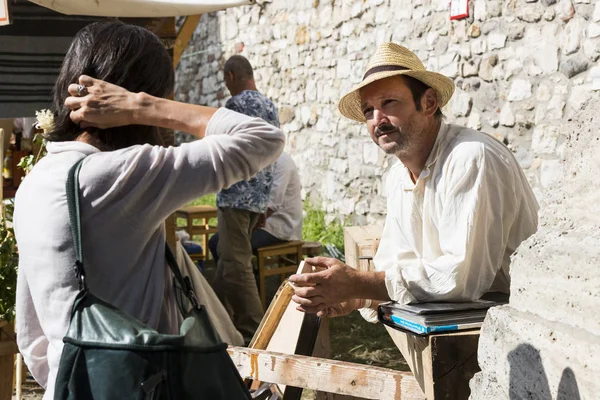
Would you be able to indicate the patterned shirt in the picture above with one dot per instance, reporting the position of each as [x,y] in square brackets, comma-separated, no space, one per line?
[253,194]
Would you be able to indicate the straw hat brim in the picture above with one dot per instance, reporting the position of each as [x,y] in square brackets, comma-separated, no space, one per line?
[349,105]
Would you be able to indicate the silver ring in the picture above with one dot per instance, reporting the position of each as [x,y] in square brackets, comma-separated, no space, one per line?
[81,90]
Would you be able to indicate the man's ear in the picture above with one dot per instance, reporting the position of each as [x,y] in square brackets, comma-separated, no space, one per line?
[429,102]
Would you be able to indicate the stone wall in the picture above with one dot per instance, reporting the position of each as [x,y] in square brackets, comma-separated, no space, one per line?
[521,67]
[546,343]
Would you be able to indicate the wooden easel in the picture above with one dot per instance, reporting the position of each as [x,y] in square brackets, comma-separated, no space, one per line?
[286,330]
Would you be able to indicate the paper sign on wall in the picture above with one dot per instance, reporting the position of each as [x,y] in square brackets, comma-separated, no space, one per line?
[459,9]
[4,13]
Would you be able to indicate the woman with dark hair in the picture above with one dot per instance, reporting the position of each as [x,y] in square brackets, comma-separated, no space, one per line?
[128,184]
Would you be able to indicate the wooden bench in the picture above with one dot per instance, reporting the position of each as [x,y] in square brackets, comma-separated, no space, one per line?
[288,254]
[442,364]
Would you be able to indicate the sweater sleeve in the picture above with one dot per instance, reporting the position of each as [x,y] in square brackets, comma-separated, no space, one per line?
[32,342]
[155,180]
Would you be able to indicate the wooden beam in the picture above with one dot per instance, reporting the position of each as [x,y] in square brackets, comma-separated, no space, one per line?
[183,37]
[326,375]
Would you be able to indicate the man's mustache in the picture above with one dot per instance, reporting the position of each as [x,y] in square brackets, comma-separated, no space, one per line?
[385,128]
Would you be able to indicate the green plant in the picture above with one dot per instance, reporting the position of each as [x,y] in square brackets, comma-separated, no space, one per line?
[9,261]
[315,229]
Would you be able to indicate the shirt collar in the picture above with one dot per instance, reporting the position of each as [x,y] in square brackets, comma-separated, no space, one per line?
[62,147]
[437,148]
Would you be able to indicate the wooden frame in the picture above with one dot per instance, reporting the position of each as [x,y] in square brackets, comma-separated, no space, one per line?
[325,375]
[184,36]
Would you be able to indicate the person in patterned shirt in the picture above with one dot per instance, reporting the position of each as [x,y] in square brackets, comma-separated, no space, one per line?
[240,208]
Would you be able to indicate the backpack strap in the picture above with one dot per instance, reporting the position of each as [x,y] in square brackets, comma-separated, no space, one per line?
[73,202]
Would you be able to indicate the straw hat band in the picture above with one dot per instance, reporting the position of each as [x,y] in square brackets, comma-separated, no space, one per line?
[383,68]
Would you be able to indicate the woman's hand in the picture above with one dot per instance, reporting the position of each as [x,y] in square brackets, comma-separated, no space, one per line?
[102,104]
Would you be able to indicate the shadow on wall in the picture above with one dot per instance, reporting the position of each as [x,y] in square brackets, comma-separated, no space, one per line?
[528,378]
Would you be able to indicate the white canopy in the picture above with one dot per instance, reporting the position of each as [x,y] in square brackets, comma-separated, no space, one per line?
[139,8]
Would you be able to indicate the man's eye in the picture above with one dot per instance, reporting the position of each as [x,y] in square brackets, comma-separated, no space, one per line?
[389,102]
[368,113]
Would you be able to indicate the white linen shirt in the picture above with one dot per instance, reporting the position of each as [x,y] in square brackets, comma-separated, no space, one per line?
[450,235]
[125,197]
[285,200]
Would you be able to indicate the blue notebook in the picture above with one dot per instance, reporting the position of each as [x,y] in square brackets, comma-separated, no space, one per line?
[428,318]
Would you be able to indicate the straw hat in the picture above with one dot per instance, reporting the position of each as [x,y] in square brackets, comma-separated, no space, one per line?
[391,59]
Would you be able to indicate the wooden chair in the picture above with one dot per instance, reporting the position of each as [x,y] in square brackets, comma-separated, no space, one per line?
[312,249]
[204,214]
[289,255]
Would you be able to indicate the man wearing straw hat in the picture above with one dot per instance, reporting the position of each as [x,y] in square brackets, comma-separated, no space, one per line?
[458,204]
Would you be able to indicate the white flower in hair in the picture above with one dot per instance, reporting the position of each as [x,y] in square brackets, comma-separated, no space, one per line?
[45,120]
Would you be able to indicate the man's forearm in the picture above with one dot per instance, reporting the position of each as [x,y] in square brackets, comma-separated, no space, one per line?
[189,118]
[371,285]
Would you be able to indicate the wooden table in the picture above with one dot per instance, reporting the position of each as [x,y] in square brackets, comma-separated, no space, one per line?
[443,364]
[204,214]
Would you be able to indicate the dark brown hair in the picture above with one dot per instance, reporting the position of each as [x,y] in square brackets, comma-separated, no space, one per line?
[126,55]
[240,66]
[418,89]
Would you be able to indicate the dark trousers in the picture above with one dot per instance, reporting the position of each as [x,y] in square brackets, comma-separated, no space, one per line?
[234,282]
[260,238]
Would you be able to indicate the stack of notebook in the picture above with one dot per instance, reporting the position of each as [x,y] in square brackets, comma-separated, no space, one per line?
[426,318]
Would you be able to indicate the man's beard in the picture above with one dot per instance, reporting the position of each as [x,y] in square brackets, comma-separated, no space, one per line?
[391,147]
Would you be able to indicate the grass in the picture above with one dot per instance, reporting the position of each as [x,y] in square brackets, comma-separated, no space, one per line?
[355,340]
[315,229]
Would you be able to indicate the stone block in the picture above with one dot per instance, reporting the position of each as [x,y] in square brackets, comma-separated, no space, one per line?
[478,46]
[591,48]
[486,98]
[595,78]
[461,104]
[579,96]
[596,14]
[515,31]
[543,46]
[371,153]
[555,107]
[485,70]
[507,117]
[496,40]
[530,12]
[474,121]
[571,36]
[512,68]
[573,66]
[545,138]
[565,10]
[468,69]
[523,356]
[519,90]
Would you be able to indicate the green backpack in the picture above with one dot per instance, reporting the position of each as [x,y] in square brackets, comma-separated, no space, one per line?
[109,355]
